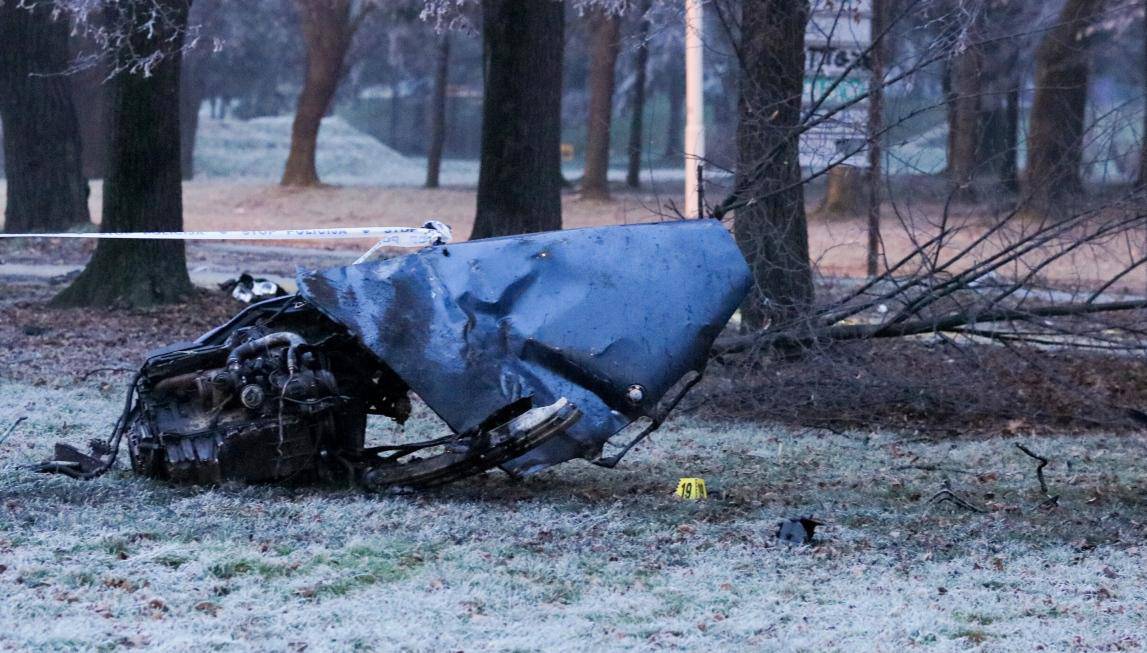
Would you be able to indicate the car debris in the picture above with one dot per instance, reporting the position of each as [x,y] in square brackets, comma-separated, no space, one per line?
[248,289]
[797,530]
[533,350]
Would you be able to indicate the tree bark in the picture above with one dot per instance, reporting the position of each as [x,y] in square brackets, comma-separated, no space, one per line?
[91,85]
[328,28]
[675,126]
[637,120]
[604,31]
[191,93]
[772,231]
[1055,136]
[964,111]
[142,191]
[438,113]
[43,159]
[519,181]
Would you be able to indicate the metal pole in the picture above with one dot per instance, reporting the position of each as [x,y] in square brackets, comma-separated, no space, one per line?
[875,128]
[694,104]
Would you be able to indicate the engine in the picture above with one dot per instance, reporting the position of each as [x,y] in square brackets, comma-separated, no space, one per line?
[279,399]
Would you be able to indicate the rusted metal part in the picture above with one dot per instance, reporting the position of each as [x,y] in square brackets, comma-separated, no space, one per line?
[533,349]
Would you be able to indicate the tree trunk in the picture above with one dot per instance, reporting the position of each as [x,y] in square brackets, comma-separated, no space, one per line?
[191,93]
[1141,183]
[772,231]
[42,153]
[1009,168]
[327,30]
[676,124]
[438,113]
[519,182]
[142,190]
[636,124]
[964,111]
[393,113]
[845,193]
[1055,136]
[91,84]
[604,31]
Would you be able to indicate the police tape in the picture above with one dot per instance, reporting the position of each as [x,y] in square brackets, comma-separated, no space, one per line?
[432,233]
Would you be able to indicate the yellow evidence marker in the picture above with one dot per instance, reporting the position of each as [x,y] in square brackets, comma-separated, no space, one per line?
[692,489]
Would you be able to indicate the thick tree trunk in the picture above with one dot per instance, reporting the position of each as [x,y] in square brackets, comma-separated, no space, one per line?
[964,112]
[42,153]
[604,31]
[438,113]
[675,126]
[92,86]
[142,191]
[519,182]
[772,231]
[1055,136]
[637,120]
[191,93]
[327,30]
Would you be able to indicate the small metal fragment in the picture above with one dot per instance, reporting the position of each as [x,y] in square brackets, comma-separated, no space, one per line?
[797,530]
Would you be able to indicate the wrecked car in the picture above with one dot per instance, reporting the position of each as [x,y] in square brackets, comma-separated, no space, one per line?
[533,350]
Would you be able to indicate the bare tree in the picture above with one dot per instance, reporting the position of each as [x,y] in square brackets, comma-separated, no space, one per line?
[637,105]
[604,31]
[142,191]
[329,27]
[771,229]
[438,112]
[519,181]
[42,151]
[675,92]
[1055,137]
[965,89]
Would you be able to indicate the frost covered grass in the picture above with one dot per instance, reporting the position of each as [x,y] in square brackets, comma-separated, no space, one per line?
[581,558]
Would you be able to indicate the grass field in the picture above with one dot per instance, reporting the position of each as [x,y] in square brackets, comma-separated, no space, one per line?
[581,558]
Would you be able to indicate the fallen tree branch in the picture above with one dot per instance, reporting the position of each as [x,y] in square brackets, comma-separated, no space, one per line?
[12,428]
[1050,500]
[949,322]
[948,495]
[929,467]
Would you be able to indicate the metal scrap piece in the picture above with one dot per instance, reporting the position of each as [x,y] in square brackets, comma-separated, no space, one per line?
[797,530]
[586,314]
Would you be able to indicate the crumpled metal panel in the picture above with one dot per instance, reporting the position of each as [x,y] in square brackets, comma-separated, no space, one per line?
[582,314]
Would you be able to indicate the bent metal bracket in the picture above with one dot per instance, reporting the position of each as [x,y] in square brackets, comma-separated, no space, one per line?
[533,349]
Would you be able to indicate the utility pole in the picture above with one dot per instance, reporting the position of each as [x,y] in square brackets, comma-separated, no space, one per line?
[694,105]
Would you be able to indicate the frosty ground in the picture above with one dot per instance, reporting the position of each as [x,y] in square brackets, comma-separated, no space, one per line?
[575,558]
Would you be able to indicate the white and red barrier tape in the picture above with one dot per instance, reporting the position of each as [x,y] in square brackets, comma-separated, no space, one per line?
[432,233]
